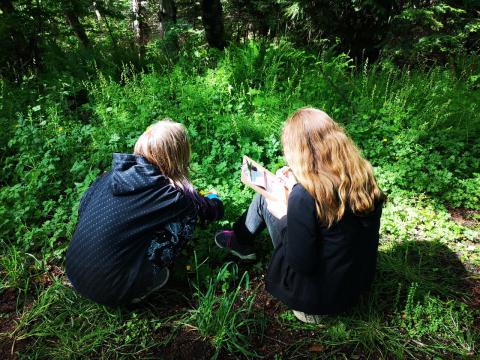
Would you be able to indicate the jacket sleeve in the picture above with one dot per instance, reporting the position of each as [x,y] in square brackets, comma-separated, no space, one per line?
[209,208]
[301,245]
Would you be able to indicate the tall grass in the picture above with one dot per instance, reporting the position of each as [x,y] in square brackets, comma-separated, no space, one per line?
[224,315]
[60,324]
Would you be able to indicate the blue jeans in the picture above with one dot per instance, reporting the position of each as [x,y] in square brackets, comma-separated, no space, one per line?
[254,220]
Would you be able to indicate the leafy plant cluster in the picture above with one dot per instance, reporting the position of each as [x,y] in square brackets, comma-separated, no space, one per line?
[421,139]
[417,127]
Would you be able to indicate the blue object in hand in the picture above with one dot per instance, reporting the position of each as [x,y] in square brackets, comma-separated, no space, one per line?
[213,196]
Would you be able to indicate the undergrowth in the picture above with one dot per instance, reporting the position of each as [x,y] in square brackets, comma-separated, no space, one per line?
[419,128]
[223,315]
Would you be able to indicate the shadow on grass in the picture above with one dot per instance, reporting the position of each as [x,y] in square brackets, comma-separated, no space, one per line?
[430,266]
[418,307]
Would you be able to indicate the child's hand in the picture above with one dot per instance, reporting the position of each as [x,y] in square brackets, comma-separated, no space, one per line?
[286,174]
[212,194]
[276,208]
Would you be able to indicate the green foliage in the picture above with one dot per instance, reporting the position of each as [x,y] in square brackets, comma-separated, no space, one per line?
[467,193]
[99,34]
[224,315]
[66,104]
[417,127]
[433,32]
[434,318]
[14,272]
[66,326]
[38,207]
[419,138]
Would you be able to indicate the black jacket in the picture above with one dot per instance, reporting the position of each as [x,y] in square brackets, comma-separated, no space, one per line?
[116,242]
[320,270]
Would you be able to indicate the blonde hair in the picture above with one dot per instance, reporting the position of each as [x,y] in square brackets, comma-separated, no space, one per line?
[165,145]
[328,165]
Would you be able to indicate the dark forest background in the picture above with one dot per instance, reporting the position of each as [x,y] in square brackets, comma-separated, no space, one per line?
[67,35]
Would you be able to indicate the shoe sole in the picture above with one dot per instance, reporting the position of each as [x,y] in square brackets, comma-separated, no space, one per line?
[237,254]
[306,318]
[167,277]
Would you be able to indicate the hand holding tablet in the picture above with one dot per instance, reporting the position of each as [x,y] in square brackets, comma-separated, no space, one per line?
[272,187]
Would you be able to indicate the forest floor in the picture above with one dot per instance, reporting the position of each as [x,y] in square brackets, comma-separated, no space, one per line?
[283,337]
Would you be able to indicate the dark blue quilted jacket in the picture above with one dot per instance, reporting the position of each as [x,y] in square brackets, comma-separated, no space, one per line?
[131,220]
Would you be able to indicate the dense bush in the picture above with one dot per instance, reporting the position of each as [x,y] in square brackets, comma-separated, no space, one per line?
[420,138]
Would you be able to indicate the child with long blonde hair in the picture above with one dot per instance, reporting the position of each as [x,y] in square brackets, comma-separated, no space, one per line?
[134,220]
[326,238]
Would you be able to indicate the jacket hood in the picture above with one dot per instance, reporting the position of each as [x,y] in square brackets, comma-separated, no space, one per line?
[133,173]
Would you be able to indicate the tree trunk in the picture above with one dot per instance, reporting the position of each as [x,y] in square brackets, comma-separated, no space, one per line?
[102,18]
[136,20]
[212,17]
[98,14]
[76,25]
[140,27]
[167,12]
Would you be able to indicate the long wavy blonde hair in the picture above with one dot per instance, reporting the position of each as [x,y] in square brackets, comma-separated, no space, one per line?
[165,144]
[328,165]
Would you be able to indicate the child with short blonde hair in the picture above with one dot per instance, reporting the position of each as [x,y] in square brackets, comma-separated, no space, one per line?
[134,220]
